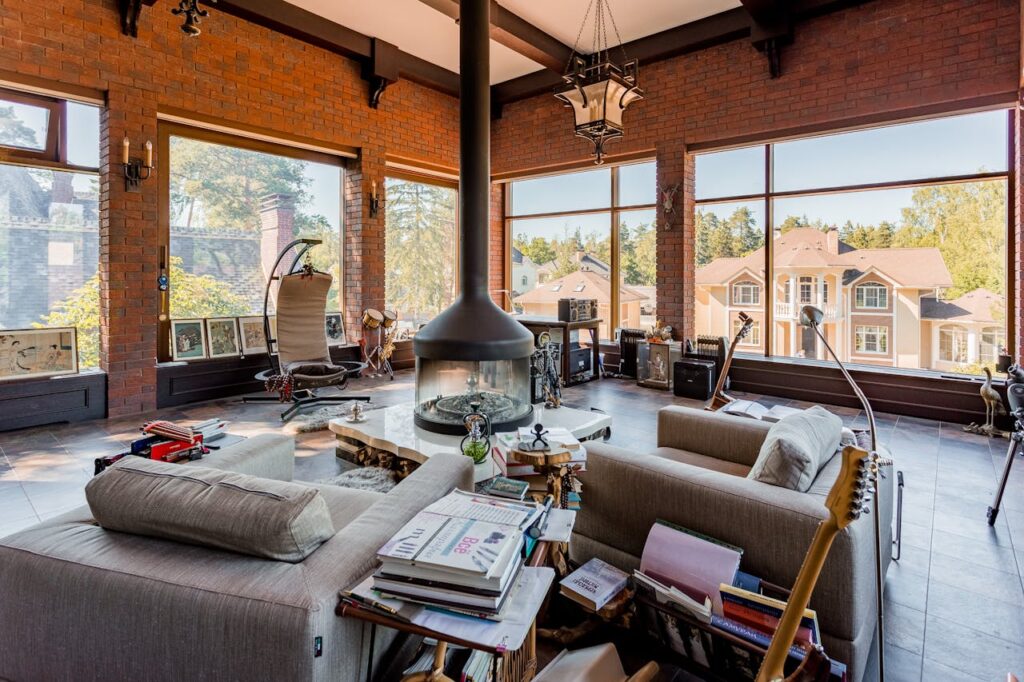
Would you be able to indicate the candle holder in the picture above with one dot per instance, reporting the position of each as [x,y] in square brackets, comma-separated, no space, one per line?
[374,201]
[135,169]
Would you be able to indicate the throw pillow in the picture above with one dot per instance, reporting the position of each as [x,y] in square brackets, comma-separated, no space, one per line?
[257,516]
[796,448]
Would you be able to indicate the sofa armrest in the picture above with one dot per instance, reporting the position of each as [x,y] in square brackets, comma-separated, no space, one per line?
[267,455]
[625,493]
[715,434]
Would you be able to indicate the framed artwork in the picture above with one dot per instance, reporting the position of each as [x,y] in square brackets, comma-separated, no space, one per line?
[222,337]
[44,352]
[188,340]
[335,328]
[253,339]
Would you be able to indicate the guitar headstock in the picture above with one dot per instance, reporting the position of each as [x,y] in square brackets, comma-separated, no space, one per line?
[746,322]
[851,492]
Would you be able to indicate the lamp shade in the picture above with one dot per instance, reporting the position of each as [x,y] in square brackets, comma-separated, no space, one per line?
[811,316]
[598,94]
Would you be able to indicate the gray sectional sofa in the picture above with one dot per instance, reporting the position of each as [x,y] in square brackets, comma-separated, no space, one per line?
[78,602]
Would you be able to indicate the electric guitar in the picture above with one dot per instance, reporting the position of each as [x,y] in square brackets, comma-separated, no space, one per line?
[720,399]
[846,501]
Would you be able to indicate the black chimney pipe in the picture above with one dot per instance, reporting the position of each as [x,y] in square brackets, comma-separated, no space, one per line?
[473,327]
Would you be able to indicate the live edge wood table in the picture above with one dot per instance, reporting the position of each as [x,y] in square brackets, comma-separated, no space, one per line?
[549,324]
[519,665]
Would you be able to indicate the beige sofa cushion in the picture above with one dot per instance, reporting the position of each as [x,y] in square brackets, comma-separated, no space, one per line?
[796,448]
[257,516]
[703,461]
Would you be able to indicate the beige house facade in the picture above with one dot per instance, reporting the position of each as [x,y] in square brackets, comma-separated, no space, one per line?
[882,307]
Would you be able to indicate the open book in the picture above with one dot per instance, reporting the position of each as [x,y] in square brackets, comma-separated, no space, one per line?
[749,408]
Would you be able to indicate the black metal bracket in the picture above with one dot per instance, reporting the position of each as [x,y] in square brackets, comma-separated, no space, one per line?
[381,69]
[129,11]
[773,52]
[377,87]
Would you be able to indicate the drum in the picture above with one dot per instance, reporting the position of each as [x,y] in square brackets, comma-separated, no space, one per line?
[390,317]
[372,318]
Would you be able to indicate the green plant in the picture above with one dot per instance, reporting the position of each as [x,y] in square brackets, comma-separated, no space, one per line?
[477,449]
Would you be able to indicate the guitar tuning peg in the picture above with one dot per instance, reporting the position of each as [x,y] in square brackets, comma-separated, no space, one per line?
[865,509]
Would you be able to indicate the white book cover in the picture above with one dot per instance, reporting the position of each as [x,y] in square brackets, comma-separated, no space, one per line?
[413,537]
[596,581]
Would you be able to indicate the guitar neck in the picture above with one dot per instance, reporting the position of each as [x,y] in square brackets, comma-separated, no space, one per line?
[719,398]
[772,669]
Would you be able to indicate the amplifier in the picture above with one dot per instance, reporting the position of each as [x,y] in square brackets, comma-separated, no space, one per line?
[580,360]
[692,378]
[577,309]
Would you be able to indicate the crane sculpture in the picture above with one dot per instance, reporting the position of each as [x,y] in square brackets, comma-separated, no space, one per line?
[993,408]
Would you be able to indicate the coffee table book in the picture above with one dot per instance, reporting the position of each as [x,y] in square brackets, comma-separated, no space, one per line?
[594,584]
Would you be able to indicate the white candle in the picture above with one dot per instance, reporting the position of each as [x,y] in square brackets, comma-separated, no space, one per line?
[149,154]
[125,144]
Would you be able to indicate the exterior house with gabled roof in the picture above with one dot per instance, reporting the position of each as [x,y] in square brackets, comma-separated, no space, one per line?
[543,299]
[882,306]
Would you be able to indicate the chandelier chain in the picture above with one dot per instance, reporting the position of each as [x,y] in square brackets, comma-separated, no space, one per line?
[579,35]
[599,46]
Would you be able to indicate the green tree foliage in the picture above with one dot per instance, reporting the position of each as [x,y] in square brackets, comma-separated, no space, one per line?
[14,132]
[734,237]
[192,296]
[538,249]
[638,259]
[419,248]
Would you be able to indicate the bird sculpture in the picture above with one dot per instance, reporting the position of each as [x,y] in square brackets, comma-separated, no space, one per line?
[993,404]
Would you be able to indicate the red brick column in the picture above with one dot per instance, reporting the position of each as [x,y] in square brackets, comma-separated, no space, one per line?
[128,256]
[676,239]
[1016,275]
[364,240]
[498,259]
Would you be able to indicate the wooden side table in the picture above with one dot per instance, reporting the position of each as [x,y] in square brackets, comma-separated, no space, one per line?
[519,665]
[542,324]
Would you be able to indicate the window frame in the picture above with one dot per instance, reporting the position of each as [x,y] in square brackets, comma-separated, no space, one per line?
[614,211]
[167,129]
[746,286]
[860,338]
[769,195]
[54,155]
[953,332]
[881,296]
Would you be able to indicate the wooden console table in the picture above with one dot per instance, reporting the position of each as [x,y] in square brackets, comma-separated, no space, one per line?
[548,324]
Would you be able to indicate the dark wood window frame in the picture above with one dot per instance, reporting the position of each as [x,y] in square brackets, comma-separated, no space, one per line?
[769,195]
[168,129]
[54,154]
[614,211]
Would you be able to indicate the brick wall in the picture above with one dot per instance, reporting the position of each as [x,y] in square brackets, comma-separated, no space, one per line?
[883,59]
[234,71]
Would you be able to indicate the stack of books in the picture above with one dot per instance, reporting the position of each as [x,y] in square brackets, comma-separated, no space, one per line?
[462,554]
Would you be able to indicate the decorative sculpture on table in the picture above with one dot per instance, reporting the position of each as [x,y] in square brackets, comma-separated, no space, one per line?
[993,408]
[544,366]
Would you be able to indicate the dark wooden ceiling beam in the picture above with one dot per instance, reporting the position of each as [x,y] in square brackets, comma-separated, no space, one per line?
[311,28]
[771,28]
[697,35]
[517,34]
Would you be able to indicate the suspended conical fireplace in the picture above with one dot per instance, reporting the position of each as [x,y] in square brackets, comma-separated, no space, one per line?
[473,356]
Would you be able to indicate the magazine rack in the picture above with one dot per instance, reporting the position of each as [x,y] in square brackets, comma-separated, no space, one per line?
[708,651]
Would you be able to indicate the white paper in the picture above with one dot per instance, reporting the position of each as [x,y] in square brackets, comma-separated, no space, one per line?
[507,634]
[485,508]
[560,524]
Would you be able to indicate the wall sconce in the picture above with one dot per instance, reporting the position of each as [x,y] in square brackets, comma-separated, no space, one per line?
[135,169]
[374,201]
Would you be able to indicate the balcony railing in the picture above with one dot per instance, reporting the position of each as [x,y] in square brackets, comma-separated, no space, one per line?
[789,311]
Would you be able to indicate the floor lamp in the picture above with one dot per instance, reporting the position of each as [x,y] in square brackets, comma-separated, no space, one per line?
[812,317]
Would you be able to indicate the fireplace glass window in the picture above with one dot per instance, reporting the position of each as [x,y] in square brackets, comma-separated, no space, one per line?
[448,390]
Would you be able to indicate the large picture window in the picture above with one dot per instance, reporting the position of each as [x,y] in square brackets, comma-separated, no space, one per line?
[563,245]
[49,218]
[898,234]
[420,249]
[232,205]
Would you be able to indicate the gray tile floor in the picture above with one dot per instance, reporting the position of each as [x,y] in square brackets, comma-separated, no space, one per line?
[955,600]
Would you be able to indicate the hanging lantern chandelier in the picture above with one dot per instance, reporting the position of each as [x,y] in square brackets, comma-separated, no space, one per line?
[193,14]
[596,88]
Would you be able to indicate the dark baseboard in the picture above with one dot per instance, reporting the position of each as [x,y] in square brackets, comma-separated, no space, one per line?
[924,395]
[192,382]
[51,400]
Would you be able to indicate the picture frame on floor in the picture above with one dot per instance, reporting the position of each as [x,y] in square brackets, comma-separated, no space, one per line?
[222,337]
[252,337]
[43,352]
[188,340]
[334,326]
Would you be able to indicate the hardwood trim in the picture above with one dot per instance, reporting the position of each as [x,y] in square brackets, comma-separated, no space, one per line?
[424,178]
[566,166]
[421,167]
[890,117]
[920,394]
[515,33]
[51,88]
[233,140]
[300,24]
[322,151]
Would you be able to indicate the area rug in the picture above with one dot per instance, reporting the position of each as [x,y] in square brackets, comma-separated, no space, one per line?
[365,478]
[318,419]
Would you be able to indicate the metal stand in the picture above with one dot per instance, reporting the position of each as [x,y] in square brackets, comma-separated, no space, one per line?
[898,540]
[1016,438]
[380,365]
